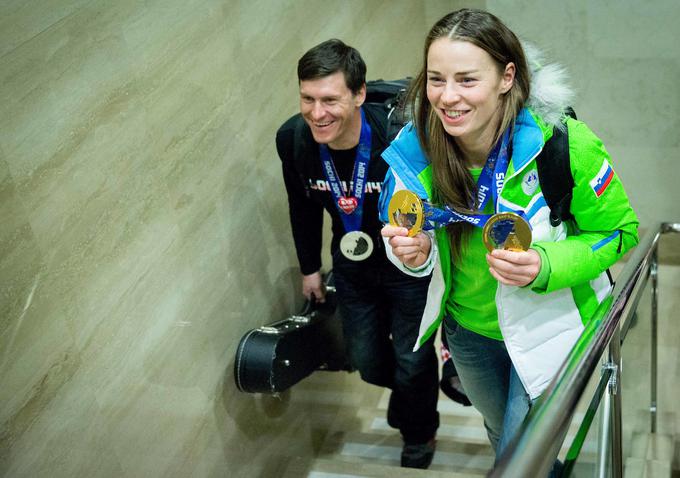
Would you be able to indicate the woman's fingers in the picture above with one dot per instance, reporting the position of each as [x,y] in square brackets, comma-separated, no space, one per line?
[515,257]
[514,268]
[411,251]
[392,231]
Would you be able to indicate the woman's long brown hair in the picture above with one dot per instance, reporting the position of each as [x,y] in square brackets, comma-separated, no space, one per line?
[453,184]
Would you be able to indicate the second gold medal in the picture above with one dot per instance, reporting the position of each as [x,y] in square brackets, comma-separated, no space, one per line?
[508,231]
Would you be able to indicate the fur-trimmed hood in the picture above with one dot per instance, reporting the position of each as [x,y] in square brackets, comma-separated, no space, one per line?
[551,93]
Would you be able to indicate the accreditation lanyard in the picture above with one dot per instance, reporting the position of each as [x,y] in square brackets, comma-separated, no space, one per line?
[489,185]
[350,205]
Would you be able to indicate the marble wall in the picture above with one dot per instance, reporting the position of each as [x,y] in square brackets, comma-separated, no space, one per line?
[624,60]
[143,221]
[143,225]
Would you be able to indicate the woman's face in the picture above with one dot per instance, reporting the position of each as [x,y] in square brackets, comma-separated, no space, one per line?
[464,87]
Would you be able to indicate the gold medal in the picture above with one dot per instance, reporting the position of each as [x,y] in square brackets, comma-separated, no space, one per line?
[508,231]
[406,210]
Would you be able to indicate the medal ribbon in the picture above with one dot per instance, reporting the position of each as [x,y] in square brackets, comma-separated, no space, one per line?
[489,184]
[351,217]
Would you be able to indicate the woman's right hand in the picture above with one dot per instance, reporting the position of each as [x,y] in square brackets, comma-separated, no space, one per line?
[411,251]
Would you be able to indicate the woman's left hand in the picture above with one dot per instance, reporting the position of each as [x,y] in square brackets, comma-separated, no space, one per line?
[514,268]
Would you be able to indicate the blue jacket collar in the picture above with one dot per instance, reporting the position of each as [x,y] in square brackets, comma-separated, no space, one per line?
[527,140]
[407,157]
[408,160]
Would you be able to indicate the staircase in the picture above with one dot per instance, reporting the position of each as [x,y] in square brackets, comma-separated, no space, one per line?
[359,443]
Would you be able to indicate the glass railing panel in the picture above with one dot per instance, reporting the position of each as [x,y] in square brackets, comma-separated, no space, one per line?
[636,379]
[531,454]
[579,453]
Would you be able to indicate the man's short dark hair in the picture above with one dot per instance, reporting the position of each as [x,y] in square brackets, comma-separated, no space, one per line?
[330,57]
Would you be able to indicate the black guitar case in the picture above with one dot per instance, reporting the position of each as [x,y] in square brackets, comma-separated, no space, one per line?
[273,358]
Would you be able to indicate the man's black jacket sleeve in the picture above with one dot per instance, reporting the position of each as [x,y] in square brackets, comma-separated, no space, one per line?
[306,215]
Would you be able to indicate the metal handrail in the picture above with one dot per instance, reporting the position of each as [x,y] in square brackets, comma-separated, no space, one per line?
[537,445]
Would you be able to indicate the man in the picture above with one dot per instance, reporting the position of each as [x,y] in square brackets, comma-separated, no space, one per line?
[331,160]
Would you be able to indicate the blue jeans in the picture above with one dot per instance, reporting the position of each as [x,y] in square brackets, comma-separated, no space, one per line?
[490,381]
[381,310]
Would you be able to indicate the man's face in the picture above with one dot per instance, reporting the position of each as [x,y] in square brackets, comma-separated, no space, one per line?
[332,111]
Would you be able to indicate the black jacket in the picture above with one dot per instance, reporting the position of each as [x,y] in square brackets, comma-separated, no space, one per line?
[308,192]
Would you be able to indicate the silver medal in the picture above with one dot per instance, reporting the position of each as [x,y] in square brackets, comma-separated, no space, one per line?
[356,245]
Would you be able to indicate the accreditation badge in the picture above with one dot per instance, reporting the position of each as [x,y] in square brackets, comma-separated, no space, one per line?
[356,245]
[406,210]
[507,230]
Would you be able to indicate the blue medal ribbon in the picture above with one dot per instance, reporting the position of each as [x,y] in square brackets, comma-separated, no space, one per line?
[351,220]
[489,185]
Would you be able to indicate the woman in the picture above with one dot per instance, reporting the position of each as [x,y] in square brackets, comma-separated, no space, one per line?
[511,316]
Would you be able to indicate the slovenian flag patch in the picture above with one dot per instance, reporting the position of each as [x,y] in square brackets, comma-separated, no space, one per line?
[600,182]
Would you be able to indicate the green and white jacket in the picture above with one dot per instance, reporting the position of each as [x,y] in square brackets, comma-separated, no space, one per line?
[539,328]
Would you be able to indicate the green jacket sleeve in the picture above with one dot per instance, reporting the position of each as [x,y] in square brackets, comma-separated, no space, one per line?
[605,224]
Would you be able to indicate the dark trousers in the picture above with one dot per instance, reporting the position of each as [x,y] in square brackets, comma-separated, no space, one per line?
[381,310]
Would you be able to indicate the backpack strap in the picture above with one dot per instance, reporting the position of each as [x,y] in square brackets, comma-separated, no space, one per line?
[554,175]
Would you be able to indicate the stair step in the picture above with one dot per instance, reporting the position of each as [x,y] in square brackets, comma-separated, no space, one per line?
[641,468]
[385,449]
[463,429]
[325,468]
[660,448]
[652,446]
[640,421]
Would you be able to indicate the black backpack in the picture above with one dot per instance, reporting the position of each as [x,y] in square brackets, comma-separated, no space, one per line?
[392,94]
[554,174]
